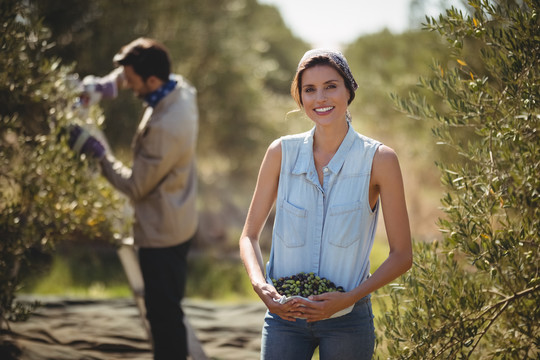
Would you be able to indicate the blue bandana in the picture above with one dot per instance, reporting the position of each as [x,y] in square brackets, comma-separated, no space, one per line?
[155,97]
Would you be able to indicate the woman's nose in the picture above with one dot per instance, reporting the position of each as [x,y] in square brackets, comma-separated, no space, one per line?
[321,95]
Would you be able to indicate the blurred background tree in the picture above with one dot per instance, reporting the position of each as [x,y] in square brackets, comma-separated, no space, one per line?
[475,294]
[47,195]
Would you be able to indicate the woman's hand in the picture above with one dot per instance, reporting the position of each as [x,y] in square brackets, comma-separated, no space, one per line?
[269,295]
[323,306]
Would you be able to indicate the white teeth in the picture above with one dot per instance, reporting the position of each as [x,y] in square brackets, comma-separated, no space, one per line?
[324,109]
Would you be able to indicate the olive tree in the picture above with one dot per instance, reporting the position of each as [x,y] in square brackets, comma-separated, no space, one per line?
[47,193]
[475,293]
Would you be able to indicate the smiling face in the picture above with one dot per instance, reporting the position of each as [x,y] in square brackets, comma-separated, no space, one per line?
[324,95]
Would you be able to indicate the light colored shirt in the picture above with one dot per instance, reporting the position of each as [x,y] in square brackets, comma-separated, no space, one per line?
[162,183]
[327,228]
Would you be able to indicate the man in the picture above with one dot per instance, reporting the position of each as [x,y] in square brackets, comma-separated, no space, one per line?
[161,183]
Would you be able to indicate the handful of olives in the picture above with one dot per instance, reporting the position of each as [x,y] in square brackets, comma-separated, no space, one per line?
[304,284]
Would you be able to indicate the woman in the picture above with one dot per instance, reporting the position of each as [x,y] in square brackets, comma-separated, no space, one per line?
[328,185]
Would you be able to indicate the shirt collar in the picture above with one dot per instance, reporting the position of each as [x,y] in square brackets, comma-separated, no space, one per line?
[339,157]
[305,158]
[155,97]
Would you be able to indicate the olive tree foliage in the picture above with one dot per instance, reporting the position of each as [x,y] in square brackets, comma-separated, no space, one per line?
[475,293]
[47,193]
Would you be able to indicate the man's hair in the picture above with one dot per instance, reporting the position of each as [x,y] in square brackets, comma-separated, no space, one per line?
[147,57]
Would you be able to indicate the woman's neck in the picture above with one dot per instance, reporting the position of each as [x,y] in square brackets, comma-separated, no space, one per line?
[327,140]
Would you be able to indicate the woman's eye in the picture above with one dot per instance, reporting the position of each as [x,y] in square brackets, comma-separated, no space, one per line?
[308,90]
[332,86]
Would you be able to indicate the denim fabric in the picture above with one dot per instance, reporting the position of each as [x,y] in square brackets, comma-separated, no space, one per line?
[325,228]
[348,337]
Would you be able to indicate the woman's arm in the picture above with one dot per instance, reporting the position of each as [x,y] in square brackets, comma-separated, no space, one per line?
[250,251]
[386,182]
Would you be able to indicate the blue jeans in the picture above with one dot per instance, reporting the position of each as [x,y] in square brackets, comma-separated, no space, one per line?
[351,336]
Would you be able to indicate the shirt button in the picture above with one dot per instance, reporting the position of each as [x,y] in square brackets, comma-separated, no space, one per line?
[325,169]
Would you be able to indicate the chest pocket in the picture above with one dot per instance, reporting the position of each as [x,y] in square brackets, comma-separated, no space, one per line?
[344,224]
[293,225]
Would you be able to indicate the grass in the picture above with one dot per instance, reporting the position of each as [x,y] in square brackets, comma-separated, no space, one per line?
[60,281]
[218,280]
[96,272]
[88,271]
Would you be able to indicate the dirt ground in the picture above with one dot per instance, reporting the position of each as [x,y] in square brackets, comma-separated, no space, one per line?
[66,329]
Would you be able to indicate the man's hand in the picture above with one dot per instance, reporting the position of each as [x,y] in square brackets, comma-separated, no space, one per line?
[96,88]
[92,91]
[81,141]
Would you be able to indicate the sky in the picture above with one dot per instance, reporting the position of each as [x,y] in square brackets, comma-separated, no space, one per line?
[334,23]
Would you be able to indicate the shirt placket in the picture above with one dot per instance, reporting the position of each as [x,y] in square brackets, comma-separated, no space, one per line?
[317,220]
[320,219]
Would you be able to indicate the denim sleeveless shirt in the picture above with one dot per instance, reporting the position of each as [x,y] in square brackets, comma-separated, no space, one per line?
[327,229]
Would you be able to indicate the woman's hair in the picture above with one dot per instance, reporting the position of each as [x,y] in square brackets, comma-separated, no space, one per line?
[323,57]
[147,57]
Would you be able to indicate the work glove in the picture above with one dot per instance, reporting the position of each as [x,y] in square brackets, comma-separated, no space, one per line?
[96,88]
[82,142]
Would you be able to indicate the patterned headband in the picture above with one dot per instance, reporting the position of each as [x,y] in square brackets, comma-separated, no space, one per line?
[336,56]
